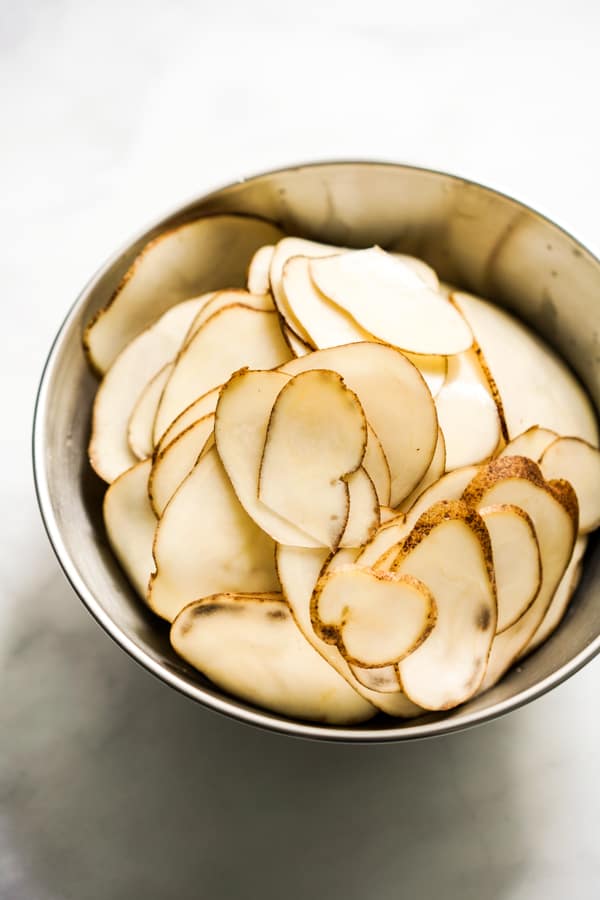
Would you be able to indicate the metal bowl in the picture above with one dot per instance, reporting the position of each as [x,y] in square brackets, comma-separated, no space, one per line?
[477,238]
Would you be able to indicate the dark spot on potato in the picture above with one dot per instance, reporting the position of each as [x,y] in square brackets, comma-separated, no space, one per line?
[206,609]
[277,614]
[483,618]
[334,518]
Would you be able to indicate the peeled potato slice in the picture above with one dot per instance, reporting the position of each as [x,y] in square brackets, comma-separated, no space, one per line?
[374,619]
[317,427]
[258,270]
[241,422]
[250,646]
[561,598]
[109,451]
[363,510]
[173,464]
[552,508]
[467,413]
[436,469]
[579,463]
[536,386]
[140,432]
[205,543]
[188,260]
[531,443]
[130,524]
[517,561]
[406,426]
[222,299]
[449,550]
[391,301]
[234,337]
[201,407]
[299,569]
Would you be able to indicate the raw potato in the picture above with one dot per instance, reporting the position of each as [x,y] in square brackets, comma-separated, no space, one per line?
[222,299]
[562,596]
[109,451]
[299,570]
[449,550]
[391,301]
[242,419]
[434,370]
[552,508]
[296,344]
[374,619]
[517,561]
[184,262]
[234,337]
[535,385]
[377,468]
[140,431]
[387,537]
[467,413]
[436,469]
[205,543]
[363,510]
[420,268]
[579,463]
[531,443]
[250,646]
[173,464]
[449,487]
[407,430]
[201,407]
[317,427]
[383,679]
[258,271]
[130,524]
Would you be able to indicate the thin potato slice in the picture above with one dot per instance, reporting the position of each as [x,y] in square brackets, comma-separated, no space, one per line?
[434,370]
[383,679]
[173,464]
[250,646]
[316,437]
[201,407]
[222,299]
[184,262]
[205,543]
[363,510]
[296,344]
[449,550]
[406,426]
[436,469]
[579,463]
[234,337]
[531,443]
[109,451]
[374,619]
[140,431]
[467,413]
[390,301]
[257,280]
[130,524]
[377,467]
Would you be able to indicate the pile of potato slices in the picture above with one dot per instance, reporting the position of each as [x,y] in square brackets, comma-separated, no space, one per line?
[349,488]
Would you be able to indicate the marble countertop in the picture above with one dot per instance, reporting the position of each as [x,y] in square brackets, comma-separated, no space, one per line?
[111,785]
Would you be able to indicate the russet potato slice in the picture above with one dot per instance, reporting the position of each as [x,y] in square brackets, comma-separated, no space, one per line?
[579,463]
[140,431]
[173,464]
[530,443]
[257,279]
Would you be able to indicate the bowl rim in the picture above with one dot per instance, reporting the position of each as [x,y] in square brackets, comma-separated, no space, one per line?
[224,705]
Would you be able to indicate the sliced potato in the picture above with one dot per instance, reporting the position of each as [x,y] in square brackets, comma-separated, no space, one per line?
[130,524]
[363,510]
[434,370]
[531,443]
[140,431]
[449,550]
[467,413]
[579,463]
[406,426]
[299,570]
[436,469]
[205,543]
[173,464]
[234,337]
[449,487]
[296,344]
[201,407]
[180,263]
[316,437]
[258,271]
[535,385]
[562,596]
[517,561]
[242,419]
[222,299]
[552,508]
[374,619]
[387,538]
[250,646]
[377,467]
[421,268]
[109,451]
[383,679]
[391,301]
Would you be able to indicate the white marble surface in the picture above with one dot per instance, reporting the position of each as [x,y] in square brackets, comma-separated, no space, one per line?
[112,786]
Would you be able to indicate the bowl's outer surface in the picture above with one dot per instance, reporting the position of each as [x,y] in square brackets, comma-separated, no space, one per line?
[479,239]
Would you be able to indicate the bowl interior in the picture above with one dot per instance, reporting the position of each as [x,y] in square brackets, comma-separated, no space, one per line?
[475,238]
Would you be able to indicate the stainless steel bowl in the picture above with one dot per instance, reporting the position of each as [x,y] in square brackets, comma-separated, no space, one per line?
[475,237]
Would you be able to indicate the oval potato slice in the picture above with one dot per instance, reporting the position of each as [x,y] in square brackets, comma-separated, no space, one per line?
[201,407]
[578,463]
[363,510]
[250,646]
[531,443]
[258,270]
[383,679]
[205,543]
[173,464]
[222,299]
[140,431]
[436,469]
[296,344]
[183,262]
